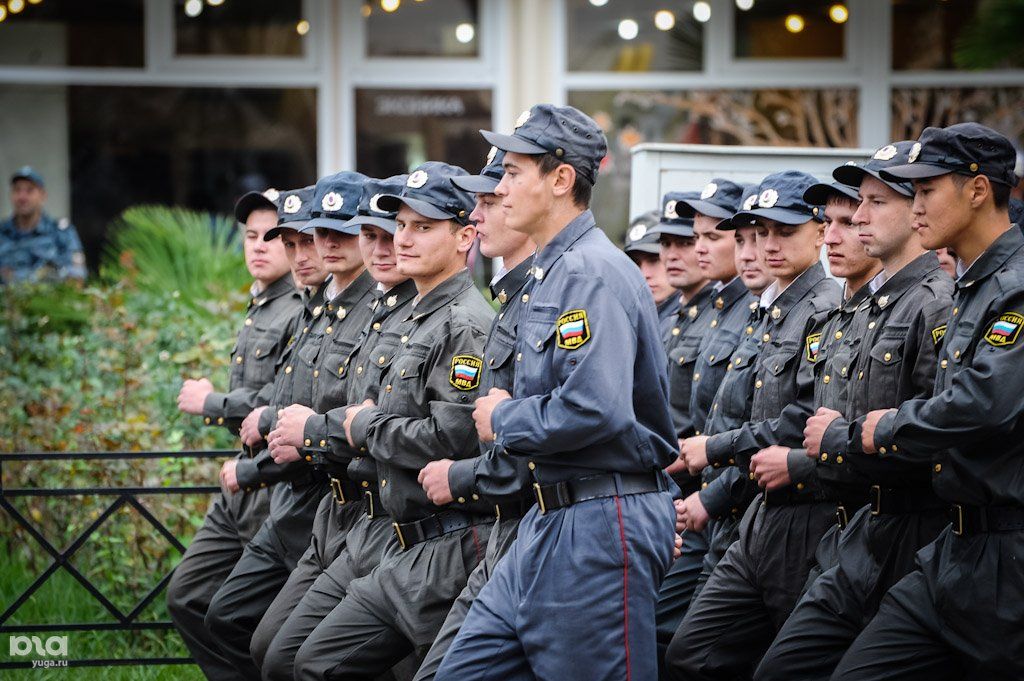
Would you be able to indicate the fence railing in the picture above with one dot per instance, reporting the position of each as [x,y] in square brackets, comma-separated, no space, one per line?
[119,497]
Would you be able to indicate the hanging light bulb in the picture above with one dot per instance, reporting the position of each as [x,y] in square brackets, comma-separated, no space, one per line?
[214,3]
[664,20]
[598,3]
[390,5]
[193,8]
[628,29]
[794,23]
[15,6]
[465,33]
[838,13]
[701,11]
[302,28]
[745,5]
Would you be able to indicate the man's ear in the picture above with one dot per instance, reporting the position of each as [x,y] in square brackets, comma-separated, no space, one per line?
[465,236]
[981,189]
[563,179]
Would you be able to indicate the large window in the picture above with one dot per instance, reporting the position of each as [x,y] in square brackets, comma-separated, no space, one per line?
[438,28]
[965,34]
[781,29]
[265,28]
[108,33]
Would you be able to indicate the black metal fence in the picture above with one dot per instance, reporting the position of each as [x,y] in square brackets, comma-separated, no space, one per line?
[119,497]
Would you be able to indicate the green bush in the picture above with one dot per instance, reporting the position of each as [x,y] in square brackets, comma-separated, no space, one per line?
[98,368]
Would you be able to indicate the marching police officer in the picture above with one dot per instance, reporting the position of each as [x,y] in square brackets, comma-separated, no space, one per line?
[588,412]
[313,591]
[643,248]
[34,246]
[750,590]
[898,331]
[494,476]
[236,514]
[424,414]
[958,613]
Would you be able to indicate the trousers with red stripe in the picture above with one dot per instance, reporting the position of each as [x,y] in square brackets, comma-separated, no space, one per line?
[574,598]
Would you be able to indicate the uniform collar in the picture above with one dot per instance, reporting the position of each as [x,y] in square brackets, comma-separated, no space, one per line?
[692,307]
[901,282]
[511,281]
[353,293]
[281,286]
[668,304]
[570,234]
[794,293]
[730,293]
[998,252]
[859,296]
[315,299]
[442,294]
[395,297]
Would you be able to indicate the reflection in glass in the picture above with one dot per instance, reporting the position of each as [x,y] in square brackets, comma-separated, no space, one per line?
[781,29]
[253,28]
[396,130]
[914,109]
[106,33]
[420,28]
[819,118]
[967,34]
[643,35]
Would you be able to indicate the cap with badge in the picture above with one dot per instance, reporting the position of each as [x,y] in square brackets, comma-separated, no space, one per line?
[818,194]
[250,201]
[370,212]
[335,201]
[889,156]
[488,179]
[675,218]
[294,209]
[29,173]
[429,191]
[641,237]
[965,148]
[748,199]
[781,198]
[720,199]
[564,131]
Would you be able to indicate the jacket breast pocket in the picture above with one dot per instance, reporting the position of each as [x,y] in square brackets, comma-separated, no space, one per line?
[886,364]
[778,378]
[535,366]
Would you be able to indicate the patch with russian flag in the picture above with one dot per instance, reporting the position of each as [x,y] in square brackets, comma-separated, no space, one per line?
[466,372]
[1004,331]
[812,344]
[573,329]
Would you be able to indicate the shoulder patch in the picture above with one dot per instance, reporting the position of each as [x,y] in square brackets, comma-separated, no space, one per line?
[573,329]
[938,333]
[811,346]
[466,371]
[1005,330]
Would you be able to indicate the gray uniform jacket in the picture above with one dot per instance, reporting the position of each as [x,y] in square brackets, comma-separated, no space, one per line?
[683,345]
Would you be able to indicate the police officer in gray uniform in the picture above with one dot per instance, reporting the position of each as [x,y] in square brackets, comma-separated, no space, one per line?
[895,329]
[493,475]
[315,587]
[424,414]
[34,246]
[959,613]
[588,413]
[276,549]
[235,514]
[643,248]
[717,201]
[749,594]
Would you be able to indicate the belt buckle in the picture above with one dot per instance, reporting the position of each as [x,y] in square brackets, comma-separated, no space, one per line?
[958,520]
[368,495]
[842,519]
[876,500]
[339,493]
[497,511]
[398,533]
[540,498]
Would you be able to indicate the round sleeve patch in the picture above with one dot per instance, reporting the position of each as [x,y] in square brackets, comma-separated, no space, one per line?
[466,371]
[573,329]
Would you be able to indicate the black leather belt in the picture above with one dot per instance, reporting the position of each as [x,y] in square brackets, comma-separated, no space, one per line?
[842,516]
[308,476]
[371,503]
[344,490]
[896,501]
[980,519]
[436,525]
[515,508]
[569,492]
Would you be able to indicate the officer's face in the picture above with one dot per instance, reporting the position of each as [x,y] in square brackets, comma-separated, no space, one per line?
[265,260]
[788,250]
[496,239]
[338,252]
[654,274]
[846,255]
[883,219]
[748,260]
[427,249]
[941,211]
[305,261]
[378,251]
[680,257]
[27,197]
[715,249]
[527,197]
